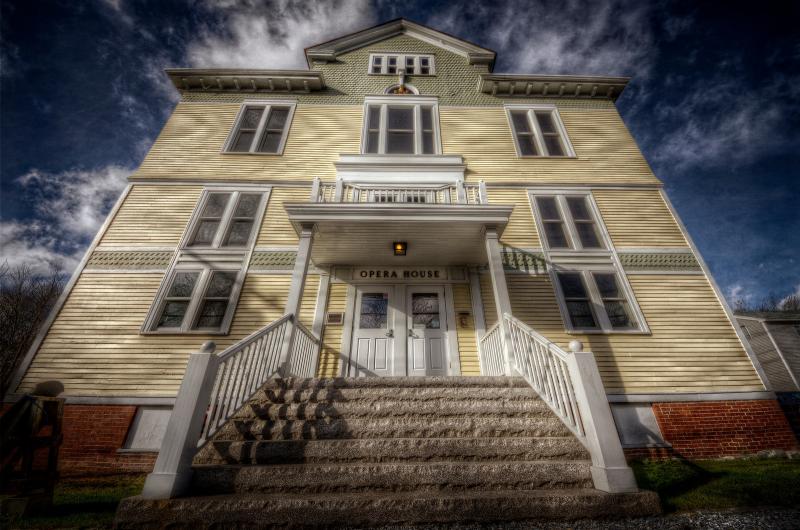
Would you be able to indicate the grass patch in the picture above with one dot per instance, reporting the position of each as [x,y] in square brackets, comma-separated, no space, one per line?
[721,484]
[85,502]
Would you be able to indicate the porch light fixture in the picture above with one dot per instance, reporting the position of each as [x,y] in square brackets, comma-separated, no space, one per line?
[400,248]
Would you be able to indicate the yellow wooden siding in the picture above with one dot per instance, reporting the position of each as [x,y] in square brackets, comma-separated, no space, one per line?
[606,152]
[692,348]
[521,230]
[467,346]
[152,216]
[190,145]
[330,355]
[94,347]
[276,230]
[638,218]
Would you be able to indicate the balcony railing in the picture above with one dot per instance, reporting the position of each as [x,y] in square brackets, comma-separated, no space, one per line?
[461,193]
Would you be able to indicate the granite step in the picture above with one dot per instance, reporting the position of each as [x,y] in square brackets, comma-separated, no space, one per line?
[360,510]
[390,477]
[461,382]
[389,407]
[377,394]
[466,426]
[390,450]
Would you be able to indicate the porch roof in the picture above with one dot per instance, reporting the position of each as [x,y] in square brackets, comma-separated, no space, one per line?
[437,234]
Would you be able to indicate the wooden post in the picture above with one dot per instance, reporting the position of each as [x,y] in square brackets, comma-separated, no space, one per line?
[461,193]
[610,471]
[315,191]
[500,289]
[173,469]
[295,297]
[482,192]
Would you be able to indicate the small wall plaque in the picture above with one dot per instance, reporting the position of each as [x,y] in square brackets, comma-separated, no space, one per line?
[334,319]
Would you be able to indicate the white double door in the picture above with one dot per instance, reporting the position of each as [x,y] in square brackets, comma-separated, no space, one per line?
[400,330]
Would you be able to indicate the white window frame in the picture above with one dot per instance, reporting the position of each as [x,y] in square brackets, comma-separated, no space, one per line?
[267,104]
[596,301]
[538,137]
[417,102]
[226,219]
[206,260]
[577,259]
[570,229]
[401,63]
[198,295]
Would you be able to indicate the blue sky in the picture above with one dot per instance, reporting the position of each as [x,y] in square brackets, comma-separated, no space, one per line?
[714,102]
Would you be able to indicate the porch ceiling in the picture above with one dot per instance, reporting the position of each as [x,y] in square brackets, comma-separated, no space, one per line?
[356,234]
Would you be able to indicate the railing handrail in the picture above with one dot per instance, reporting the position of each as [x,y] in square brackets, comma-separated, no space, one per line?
[571,386]
[347,192]
[216,386]
[238,346]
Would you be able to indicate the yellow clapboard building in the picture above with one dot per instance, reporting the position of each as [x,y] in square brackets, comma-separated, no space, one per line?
[397,216]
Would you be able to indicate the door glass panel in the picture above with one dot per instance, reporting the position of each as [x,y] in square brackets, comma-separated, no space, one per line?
[425,310]
[374,308]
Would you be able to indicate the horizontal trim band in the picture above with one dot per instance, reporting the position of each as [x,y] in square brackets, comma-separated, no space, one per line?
[698,396]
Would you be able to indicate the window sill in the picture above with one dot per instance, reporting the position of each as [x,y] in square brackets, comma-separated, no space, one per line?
[191,332]
[250,154]
[607,332]
[539,157]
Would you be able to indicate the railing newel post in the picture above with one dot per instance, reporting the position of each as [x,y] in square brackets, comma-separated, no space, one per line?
[315,186]
[173,468]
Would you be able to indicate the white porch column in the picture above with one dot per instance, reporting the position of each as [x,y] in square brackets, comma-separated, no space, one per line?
[300,270]
[500,289]
[295,297]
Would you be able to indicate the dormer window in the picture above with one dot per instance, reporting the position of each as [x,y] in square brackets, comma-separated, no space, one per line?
[401,125]
[262,127]
[390,63]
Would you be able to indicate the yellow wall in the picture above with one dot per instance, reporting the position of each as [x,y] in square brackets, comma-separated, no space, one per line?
[276,230]
[94,347]
[329,357]
[190,146]
[467,344]
[638,218]
[692,346]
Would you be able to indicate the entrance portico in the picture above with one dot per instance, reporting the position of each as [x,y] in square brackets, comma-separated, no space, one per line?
[400,318]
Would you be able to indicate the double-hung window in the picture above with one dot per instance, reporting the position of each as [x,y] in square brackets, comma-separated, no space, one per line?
[538,132]
[261,127]
[401,125]
[568,222]
[592,292]
[595,300]
[199,292]
[390,63]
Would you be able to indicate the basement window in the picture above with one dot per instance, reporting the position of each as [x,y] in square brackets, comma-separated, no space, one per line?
[261,128]
[401,125]
[538,132]
[391,63]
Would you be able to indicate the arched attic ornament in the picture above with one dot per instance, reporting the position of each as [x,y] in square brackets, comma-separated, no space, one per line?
[401,88]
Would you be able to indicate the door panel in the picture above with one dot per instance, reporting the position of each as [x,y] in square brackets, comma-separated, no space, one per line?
[426,331]
[372,335]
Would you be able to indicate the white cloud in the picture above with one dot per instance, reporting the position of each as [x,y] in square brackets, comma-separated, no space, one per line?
[605,38]
[70,207]
[251,34]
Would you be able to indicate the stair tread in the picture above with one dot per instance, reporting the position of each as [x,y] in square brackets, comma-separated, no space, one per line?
[443,463]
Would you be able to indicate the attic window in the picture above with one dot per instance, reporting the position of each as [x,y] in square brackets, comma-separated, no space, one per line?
[390,63]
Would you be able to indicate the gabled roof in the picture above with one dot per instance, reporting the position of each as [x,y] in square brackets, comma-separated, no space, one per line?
[328,51]
[771,316]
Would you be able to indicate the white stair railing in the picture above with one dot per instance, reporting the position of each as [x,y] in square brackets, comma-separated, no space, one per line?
[215,386]
[570,384]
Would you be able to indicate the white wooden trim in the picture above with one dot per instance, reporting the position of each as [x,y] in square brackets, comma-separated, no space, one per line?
[259,132]
[683,397]
[62,299]
[453,353]
[724,303]
[345,360]
[416,103]
[295,296]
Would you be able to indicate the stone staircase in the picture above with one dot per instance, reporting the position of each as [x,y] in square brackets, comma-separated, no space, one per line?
[381,451]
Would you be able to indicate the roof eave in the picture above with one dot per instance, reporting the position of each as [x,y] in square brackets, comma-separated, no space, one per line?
[246,80]
[563,86]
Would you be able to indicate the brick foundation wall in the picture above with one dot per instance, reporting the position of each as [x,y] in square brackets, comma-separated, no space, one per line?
[92,436]
[713,429]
